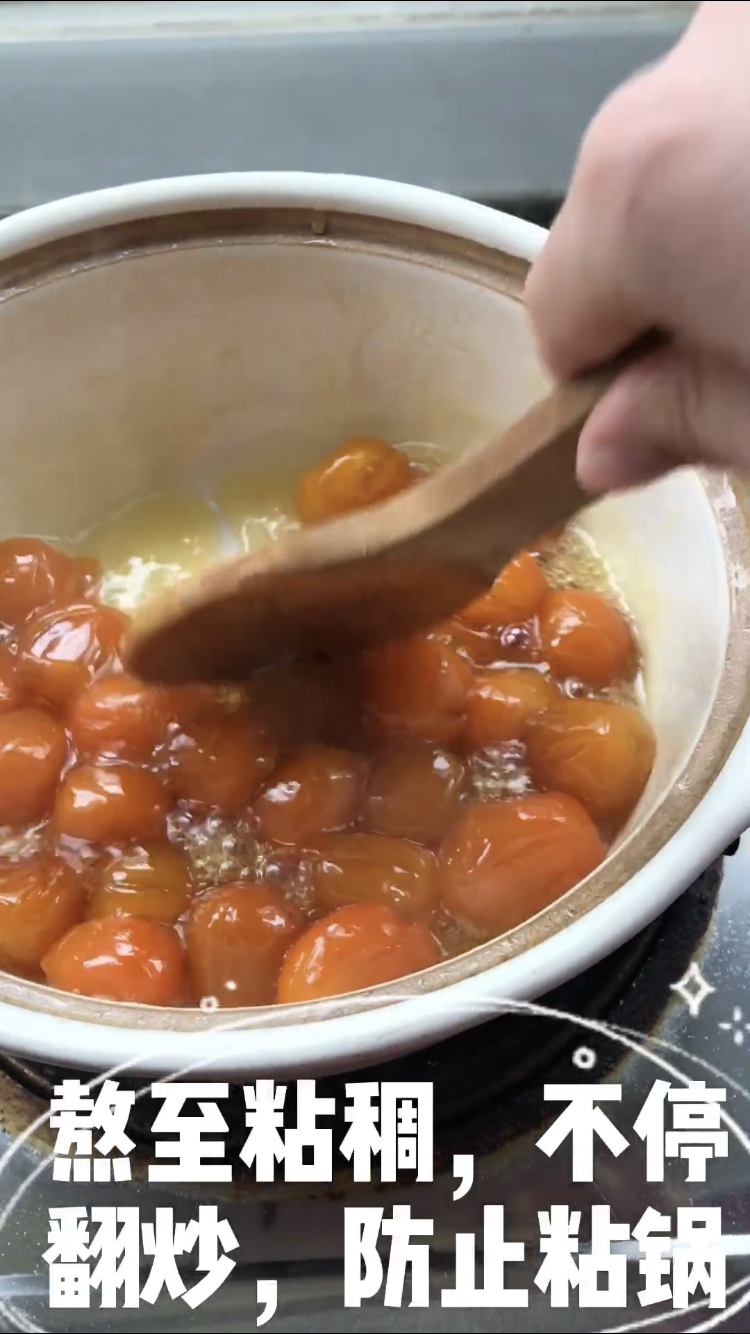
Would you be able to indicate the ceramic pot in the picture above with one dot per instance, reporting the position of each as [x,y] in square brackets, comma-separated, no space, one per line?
[154,330]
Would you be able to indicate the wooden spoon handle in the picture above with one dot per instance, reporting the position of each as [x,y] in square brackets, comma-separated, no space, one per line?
[506,493]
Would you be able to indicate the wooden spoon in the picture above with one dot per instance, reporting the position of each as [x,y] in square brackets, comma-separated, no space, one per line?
[380,573]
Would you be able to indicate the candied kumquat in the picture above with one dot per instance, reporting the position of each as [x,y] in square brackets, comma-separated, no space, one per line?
[416,689]
[500,864]
[515,596]
[350,868]
[117,715]
[99,803]
[39,901]
[598,751]
[34,575]
[62,650]
[120,959]
[583,636]
[303,703]
[415,792]
[372,789]
[484,648]
[33,750]
[479,647]
[315,791]
[362,945]
[360,473]
[188,704]
[220,763]
[11,693]
[88,576]
[152,881]
[500,705]
[237,938]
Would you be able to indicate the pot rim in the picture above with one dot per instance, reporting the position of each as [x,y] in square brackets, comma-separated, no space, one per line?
[425,226]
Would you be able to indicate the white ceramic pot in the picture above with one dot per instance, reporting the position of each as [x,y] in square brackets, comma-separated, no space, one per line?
[153,330]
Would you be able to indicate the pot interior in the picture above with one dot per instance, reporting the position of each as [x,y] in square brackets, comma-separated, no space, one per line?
[146,357]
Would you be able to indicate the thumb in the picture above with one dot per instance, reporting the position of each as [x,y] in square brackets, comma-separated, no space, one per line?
[676,407]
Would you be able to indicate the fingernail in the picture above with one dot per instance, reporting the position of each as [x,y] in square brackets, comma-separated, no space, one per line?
[601,465]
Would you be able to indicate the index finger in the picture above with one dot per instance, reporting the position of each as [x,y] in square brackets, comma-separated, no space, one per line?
[581,310]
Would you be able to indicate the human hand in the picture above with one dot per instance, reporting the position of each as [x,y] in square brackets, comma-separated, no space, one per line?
[655,233]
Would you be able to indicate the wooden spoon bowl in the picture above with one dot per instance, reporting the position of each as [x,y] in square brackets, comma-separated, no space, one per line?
[381,573]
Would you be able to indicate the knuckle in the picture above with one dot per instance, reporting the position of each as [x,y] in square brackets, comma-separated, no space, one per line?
[612,145]
[637,160]
[655,182]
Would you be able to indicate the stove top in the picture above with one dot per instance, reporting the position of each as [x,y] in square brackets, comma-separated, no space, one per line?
[635,1024]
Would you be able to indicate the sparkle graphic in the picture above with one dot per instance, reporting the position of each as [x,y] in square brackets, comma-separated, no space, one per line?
[584,1058]
[694,989]
[209,1003]
[737,1026]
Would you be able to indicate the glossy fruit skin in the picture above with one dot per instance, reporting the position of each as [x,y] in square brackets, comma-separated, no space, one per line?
[501,704]
[416,689]
[586,638]
[39,901]
[152,882]
[385,840]
[117,715]
[356,868]
[33,750]
[600,752]
[515,596]
[236,939]
[220,763]
[120,959]
[62,650]
[362,472]
[501,864]
[479,647]
[34,575]
[362,945]
[188,704]
[308,703]
[414,793]
[111,804]
[11,691]
[315,791]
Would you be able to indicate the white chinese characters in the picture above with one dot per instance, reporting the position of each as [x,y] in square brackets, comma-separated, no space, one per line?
[110,1256]
[392,1121]
[190,1148]
[102,1248]
[674,1270]
[674,1123]
[584,1121]
[78,1116]
[696,1133]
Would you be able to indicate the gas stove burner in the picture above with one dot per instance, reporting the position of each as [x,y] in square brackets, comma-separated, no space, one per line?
[488,1082]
